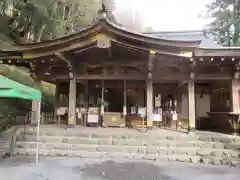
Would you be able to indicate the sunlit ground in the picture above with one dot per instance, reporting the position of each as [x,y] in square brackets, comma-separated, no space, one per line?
[95,169]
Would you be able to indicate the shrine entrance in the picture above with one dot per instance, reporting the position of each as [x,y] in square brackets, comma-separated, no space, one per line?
[114,96]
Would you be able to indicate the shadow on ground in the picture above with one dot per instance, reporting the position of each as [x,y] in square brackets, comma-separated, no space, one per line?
[127,171]
[24,168]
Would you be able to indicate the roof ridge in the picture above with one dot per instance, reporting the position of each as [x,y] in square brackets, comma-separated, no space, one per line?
[183,31]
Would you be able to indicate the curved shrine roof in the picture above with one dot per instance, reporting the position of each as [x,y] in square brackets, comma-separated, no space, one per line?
[207,46]
[173,42]
[105,26]
[206,41]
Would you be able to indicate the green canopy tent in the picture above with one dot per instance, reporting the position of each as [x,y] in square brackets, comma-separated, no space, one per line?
[13,89]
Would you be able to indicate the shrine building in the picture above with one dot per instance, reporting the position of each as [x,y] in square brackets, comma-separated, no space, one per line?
[111,76]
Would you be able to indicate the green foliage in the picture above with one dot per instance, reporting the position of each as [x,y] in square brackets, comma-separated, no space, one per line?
[13,112]
[225,15]
[28,21]
[22,76]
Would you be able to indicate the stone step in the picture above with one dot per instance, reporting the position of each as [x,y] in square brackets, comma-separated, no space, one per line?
[116,136]
[152,157]
[152,145]
[131,149]
[131,142]
[135,135]
[5,144]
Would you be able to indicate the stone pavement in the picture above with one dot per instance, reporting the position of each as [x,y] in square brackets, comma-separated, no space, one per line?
[23,168]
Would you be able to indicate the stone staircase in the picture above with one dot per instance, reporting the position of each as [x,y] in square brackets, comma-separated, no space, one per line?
[159,145]
[6,139]
[3,146]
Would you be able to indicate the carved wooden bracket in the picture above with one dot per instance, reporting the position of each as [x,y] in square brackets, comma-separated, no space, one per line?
[103,41]
[192,69]
[192,76]
[62,57]
[150,63]
[71,71]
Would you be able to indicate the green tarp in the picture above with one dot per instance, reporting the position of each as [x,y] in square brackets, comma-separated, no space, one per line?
[13,89]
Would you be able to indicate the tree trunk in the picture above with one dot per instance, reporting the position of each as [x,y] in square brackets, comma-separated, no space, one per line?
[40,33]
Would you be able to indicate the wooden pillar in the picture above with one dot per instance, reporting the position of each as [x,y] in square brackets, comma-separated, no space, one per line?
[57,96]
[86,98]
[36,106]
[57,102]
[149,83]
[191,104]
[86,95]
[235,95]
[102,100]
[149,103]
[124,98]
[72,102]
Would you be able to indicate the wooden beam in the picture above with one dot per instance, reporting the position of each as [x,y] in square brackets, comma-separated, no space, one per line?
[47,77]
[63,58]
[143,49]
[113,61]
[102,77]
[156,78]
[218,53]
[170,77]
[34,55]
[176,77]
[213,76]
[182,83]
[83,49]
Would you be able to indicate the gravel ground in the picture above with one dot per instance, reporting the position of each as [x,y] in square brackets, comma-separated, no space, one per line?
[23,168]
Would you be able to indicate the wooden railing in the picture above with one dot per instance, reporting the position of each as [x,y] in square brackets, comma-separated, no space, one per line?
[46,117]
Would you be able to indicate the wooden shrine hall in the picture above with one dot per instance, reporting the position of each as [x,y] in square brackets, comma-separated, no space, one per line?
[110,76]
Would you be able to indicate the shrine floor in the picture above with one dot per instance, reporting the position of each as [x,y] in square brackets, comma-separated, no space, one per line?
[24,168]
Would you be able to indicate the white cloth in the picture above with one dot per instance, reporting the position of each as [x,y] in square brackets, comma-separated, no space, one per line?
[62,111]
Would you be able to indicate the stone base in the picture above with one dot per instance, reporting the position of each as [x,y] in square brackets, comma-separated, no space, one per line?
[236,129]
[142,130]
[71,125]
[236,134]
[149,127]
[191,130]
[33,124]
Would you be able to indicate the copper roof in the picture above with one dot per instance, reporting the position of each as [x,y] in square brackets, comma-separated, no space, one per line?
[207,41]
